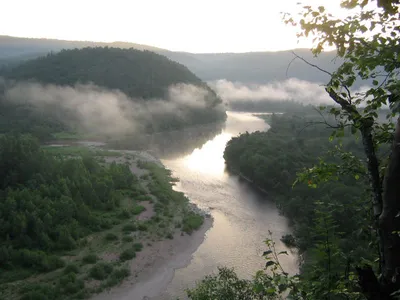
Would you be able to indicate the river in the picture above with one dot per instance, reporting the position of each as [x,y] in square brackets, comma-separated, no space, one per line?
[242,215]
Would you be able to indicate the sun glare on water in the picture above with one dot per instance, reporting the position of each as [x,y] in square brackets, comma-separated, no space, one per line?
[209,158]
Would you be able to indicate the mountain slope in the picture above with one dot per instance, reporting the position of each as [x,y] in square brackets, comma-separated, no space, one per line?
[252,67]
[137,73]
[162,94]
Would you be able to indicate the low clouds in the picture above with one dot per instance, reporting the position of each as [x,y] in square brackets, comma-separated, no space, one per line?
[290,89]
[98,110]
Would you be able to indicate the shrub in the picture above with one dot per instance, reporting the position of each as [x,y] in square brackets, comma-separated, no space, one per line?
[89,259]
[124,214]
[192,222]
[127,239]
[111,237]
[117,276]
[288,240]
[142,227]
[100,271]
[138,247]
[127,254]
[37,292]
[69,284]
[170,236]
[72,268]
[129,228]
[138,209]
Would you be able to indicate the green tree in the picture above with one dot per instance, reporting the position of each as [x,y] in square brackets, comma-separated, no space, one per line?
[367,40]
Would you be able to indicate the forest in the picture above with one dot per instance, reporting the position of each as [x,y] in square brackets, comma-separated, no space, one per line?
[334,172]
[274,159]
[144,76]
[63,208]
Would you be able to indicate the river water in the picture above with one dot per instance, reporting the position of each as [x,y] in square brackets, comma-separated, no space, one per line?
[242,215]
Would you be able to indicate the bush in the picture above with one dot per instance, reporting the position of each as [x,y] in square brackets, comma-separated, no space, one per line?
[71,269]
[192,222]
[127,254]
[170,236]
[111,237]
[138,247]
[138,209]
[142,227]
[129,228]
[117,276]
[69,284]
[38,292]
[127,239]
[89,259]
[289,240]
[100,271]
[124,214]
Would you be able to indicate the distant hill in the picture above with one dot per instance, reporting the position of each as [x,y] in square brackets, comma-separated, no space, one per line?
[252,67]
[261,67]
[141,75]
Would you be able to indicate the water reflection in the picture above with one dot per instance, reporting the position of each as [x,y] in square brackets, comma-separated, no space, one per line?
[242,215]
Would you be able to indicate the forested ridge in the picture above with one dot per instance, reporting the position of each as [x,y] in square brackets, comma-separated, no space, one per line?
[137,73]
[144,76]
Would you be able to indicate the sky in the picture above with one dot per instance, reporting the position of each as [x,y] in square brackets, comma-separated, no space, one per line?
[198,26]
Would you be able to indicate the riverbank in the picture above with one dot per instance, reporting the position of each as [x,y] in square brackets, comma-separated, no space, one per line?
[153,268]
[148,232]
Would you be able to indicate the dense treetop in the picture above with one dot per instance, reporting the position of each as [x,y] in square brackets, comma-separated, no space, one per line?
[141,74]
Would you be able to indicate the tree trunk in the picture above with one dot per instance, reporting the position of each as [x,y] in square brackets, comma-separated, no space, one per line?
[389,220]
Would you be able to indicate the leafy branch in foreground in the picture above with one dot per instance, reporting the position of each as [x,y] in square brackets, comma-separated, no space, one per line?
[367,41]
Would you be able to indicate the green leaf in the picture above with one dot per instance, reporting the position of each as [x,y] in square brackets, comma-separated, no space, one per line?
[357,176]
[267,252]
[269,263]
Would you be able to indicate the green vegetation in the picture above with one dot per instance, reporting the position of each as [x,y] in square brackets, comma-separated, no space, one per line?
[111,237]
[78,151]
[269,161]
[344,200]
[100,271]
[65,209]
[192,222]
[141,75]
[89,259]
[127,254]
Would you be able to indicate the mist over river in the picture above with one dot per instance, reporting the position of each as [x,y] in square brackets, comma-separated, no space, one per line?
[242,215]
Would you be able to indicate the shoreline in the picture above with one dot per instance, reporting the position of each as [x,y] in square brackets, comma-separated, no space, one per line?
[160,264]
[154,267]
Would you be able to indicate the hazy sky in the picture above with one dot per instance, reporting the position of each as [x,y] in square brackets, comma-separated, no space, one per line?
[186,25]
